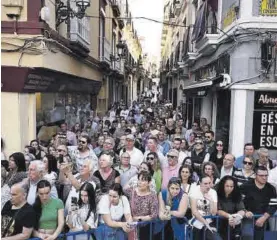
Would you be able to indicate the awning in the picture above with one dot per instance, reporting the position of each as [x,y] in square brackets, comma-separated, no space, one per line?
[203,84]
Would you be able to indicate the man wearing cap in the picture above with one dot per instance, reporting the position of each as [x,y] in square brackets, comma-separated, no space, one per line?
[136,156]
[172,169]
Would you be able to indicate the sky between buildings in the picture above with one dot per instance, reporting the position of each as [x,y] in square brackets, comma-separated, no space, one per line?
[149,32]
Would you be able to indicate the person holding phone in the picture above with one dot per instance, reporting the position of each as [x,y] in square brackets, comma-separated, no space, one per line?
[112,208]
[82,214]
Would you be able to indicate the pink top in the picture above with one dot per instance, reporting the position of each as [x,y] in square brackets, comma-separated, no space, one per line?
[168,173]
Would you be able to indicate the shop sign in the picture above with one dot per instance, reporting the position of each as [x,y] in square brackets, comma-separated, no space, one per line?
[268,8]
[265,120]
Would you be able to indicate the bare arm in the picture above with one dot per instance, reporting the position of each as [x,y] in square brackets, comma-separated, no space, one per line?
[128,217]
[60,225]
[162,216]
[108,221]
[198,216]
[117,179]
[183,205]
[75,183]
[26,233]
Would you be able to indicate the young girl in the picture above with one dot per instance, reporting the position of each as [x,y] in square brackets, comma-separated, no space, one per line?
[82,213]
[49,213]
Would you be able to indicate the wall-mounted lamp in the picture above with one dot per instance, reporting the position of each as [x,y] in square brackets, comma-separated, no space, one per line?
[120,52]
[65,12]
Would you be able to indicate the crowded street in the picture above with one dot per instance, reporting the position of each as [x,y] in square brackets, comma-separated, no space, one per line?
[139,120]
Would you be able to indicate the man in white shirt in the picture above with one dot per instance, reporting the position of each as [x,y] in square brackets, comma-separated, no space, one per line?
[177,145]
[136,156]
[228,166]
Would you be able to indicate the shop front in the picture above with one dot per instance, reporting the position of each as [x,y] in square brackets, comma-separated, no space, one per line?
[32,97]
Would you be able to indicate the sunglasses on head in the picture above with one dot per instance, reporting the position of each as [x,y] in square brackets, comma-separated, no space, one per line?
[175,180]
[150,158]
[247,163]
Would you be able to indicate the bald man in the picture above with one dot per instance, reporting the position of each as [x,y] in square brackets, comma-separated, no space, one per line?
[18,217]
[228,167]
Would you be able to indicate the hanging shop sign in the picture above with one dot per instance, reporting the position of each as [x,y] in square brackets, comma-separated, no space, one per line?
[264,132]
[268,8]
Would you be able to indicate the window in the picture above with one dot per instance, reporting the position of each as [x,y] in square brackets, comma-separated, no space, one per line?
[80,30]
[101,36]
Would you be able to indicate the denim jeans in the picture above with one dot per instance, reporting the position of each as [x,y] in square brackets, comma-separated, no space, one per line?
[108,233]
[250,231]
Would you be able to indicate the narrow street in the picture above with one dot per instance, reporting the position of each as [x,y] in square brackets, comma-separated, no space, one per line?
[139,119]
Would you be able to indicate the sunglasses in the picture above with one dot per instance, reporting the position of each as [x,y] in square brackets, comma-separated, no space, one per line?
[83,142]
[247,163]
[201,143]
[150,158]
[219,145]
[108,143]
[61,150]
[170,156]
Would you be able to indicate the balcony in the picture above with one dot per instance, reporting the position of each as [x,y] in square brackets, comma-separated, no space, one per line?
[105,52]
[208,44]
[177,7]
[115,7]
[80,31]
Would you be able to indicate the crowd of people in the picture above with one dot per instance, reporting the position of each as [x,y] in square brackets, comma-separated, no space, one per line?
[132,166]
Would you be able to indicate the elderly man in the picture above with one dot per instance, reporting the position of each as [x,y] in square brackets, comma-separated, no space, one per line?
[228,166]
[172,169]
[264,159]
[108,145]
[135,154]
[18,217]
[35,174]
[126,170]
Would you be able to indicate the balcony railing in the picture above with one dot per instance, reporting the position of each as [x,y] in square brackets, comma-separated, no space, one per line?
[80,31]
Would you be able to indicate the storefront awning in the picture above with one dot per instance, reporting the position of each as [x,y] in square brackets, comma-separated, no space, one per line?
[204,84]
[32,80]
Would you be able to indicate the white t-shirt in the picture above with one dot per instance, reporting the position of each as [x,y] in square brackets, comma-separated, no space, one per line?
[203,204]
[116,212]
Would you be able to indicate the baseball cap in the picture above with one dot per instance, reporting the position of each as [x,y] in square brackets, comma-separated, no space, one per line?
[130,136]
[173,152]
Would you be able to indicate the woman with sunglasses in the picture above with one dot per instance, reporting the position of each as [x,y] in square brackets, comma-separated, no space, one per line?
[230,207]
[218,155]
[153,159]
[173,203]
[247,172]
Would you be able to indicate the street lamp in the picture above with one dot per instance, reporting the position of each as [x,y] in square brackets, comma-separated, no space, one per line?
[65,12]
[120,52]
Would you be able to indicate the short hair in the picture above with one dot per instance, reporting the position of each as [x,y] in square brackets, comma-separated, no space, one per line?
[177,139]
[19,160]
[111,140]
[201,177]
[210,132]
[144,176]
[86,137]
[153,138]
[63,123]
[40,167]
[90,164]
[262,150]
[248,145]
[260,168]
[108,153]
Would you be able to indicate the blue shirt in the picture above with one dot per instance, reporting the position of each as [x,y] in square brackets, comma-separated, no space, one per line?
[166,147]
[238,162]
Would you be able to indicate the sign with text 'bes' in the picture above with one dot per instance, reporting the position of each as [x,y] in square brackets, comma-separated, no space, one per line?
[265,120]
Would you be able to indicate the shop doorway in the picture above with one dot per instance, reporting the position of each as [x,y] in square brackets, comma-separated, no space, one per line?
[223,116]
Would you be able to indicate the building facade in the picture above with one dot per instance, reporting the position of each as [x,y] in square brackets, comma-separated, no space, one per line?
[56,68]
[228,63]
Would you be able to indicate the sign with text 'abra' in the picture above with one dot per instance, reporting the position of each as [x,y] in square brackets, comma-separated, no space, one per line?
[265,120]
